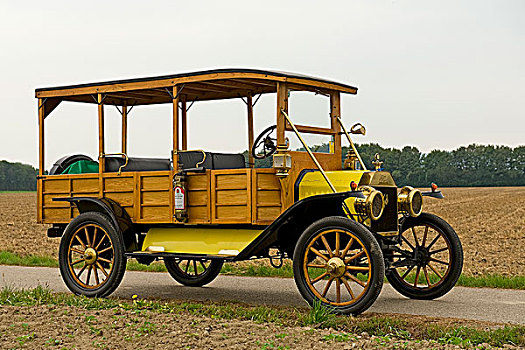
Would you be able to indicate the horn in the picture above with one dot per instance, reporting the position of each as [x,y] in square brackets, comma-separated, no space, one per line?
[357,129]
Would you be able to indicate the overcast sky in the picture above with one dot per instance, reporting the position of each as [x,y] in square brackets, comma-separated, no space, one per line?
[432,74]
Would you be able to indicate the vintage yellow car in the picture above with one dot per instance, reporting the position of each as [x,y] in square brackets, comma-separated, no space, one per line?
[344,226]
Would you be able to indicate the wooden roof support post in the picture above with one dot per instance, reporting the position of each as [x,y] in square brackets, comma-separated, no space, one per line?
[101,159]
[41,116]
[124,128]
[250,130]
[282,104]
[175,150]
[184,124]
[335,112]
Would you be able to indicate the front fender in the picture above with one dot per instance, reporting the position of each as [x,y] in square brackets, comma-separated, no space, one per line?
[286,229]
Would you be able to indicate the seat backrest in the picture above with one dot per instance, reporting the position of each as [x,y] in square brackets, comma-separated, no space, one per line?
[190,159]
[137,164]
[228,161]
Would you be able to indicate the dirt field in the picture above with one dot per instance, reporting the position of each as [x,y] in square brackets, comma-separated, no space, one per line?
[61,327]
[489,221]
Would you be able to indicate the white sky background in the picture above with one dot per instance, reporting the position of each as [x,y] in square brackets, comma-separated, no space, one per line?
[432,74]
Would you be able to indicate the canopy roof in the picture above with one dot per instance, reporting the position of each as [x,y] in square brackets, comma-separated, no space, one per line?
[200,86]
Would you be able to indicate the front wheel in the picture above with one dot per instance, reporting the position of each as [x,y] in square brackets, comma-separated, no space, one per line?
[429,260]
[339,263]
[193,272]
[91,255]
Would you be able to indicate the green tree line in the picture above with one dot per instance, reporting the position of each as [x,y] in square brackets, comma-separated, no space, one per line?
[474,165]
[17,177]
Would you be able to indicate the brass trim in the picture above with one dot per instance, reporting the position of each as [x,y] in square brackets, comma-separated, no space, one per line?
[103,155]
[351,143]
[309,151]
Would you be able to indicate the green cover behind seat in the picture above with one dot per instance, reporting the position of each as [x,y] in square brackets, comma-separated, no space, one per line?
[82,167]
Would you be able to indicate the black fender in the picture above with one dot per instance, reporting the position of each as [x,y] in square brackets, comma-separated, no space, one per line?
[118,216]
[284,232]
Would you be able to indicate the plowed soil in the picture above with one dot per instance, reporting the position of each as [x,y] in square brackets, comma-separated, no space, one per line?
[489,221]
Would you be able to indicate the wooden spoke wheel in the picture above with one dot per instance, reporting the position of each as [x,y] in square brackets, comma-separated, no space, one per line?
[338,262]
[429,260]
[91,256]
[193,272]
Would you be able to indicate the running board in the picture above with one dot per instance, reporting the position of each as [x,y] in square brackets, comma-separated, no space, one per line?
[164,255]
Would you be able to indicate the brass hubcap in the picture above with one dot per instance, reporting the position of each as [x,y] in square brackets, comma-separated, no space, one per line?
[90,256]
[336,267]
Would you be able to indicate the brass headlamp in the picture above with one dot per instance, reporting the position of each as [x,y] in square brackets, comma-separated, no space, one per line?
[410,201]
[372,205]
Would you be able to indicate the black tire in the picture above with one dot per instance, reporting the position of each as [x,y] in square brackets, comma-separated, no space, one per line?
[444,247]
[365,256]
[207,270]
[88,232]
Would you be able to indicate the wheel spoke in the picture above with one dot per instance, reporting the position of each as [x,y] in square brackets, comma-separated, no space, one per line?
[435,271]
[337,244]
[425,236]
[338,290]
[345,282]
[104,260]
[349,244]
[95,273]
[94,237]
[195,267]
[325,242]
[426,275]
[88,240]
[407,242]
[105,250]
[317,279]
[407,272]
[99,243]
[80,241]
[327,287]
[353,257]
[433,241]
[316,266]
[102,269]
[202,264]
[187,267]
[81,271]
[438,251]
[439,261]
[77,261]
[77,251]
[89,274]
[417,276]
[415,236]
[316,252]
[358,268]
[361,283]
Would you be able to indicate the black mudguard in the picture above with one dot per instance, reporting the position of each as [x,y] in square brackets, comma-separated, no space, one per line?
[284,232]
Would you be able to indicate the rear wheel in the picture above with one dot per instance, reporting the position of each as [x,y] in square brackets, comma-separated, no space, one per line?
[338,262]
[193,272]
[91,256]
[429,260]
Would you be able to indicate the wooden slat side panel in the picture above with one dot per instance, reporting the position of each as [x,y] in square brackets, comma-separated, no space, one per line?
[118,184]
[154,197]
[87,185]
[267,197]
[124,199]
[199,198]
[231,196]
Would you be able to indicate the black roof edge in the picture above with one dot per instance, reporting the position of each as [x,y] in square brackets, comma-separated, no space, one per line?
[211,71]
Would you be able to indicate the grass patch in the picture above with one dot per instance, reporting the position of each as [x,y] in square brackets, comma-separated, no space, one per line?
[260,270]
[316,317]
[9,258]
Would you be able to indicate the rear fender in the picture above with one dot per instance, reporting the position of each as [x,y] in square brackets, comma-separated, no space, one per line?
[118,216]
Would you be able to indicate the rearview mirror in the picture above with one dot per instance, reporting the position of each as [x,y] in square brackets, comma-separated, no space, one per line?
[357,129]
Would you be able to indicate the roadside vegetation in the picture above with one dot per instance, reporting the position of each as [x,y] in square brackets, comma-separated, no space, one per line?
[261,269]
[385,330]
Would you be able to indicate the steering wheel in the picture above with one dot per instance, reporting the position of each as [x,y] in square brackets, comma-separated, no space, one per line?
[267,143]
